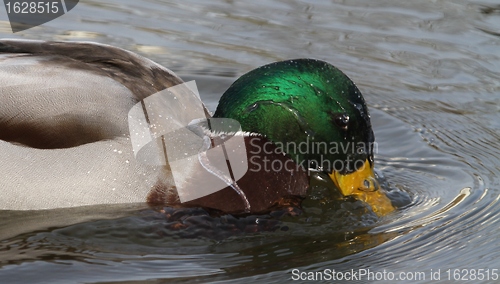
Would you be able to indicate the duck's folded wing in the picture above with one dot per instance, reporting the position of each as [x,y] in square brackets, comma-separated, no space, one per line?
[140,75]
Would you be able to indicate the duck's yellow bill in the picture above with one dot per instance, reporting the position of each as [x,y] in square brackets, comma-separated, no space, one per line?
[363,186]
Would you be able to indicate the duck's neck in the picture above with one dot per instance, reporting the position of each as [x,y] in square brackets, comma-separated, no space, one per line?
[260,178]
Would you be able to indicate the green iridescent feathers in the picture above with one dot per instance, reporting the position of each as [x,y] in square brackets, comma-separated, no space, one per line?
[303,101]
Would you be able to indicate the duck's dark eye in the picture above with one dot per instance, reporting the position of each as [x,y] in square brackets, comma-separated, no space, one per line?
[313,164]
[341,120]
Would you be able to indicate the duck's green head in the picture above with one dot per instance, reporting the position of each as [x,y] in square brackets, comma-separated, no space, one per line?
[313,112]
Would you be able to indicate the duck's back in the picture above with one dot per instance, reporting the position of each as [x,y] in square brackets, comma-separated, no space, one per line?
[64,136]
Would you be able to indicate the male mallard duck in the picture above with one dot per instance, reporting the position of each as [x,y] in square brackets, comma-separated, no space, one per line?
[65,137]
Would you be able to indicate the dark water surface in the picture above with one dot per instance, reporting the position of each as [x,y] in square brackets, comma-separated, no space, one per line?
[430,72]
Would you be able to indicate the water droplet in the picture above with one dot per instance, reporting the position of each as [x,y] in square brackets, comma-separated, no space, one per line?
[342,120]
[252,107]
[276,88]
[366,183]
[309,132]
[370,185]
